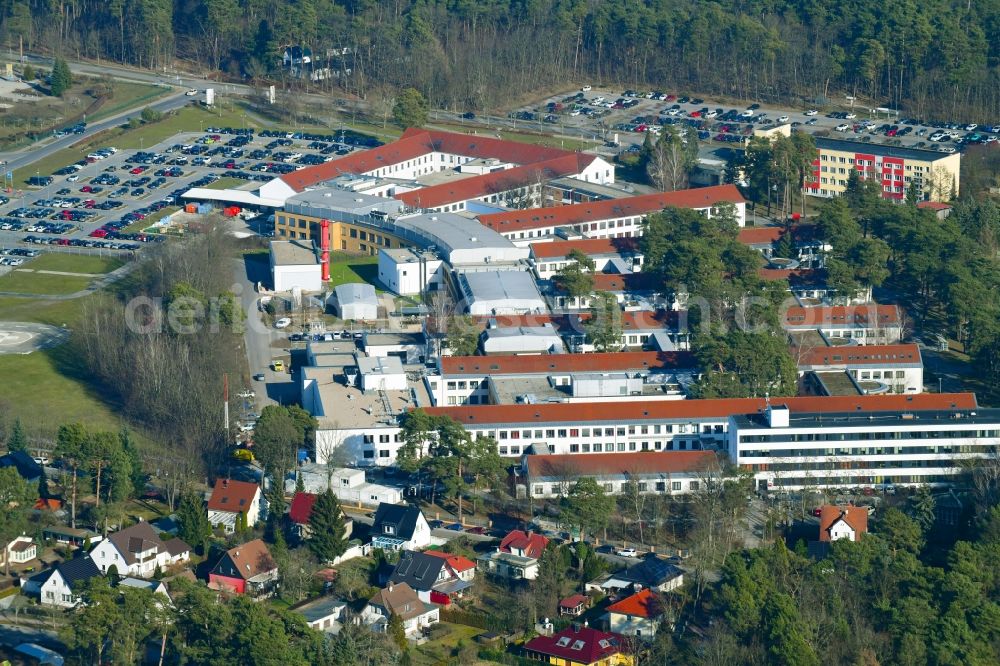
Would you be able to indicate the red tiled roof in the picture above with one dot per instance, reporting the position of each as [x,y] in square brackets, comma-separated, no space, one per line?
[589,246]
[301,507]
[559,363]
[650,320]
[232,496]
[934,205]
[759,235]
[576,644]
[641,604]
[496,182]
[251,559]
[48,504]
[855,516]
[573,601]
[473,415]
[859,355]
[842,314]
[458,563]
[600,464]
[530,543]
[557,216]
[615,283]
[415,143]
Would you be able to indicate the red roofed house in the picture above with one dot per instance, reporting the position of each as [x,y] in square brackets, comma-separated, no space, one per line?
[574,605]
[461,567]
[842,522]
[300,510]
[246,569]
[578,645]
[899,367]
[525,544]
[420,152]
[610,218]
[866,324]
[617,255]
[516,557]
[638,615]
[231,498]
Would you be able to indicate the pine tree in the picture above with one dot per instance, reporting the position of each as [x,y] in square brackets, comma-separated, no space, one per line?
[28,74]
[326,524]
[61,78]
[17,440]
[300,486]
[113,576]
[43,486]
[194,527]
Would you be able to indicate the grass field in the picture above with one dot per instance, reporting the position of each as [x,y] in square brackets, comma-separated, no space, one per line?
[45,388]
[346,268]
[74,263]
[128,94]
[23,282]
[225,183]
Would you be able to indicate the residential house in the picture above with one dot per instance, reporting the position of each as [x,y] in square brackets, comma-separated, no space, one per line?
[400,527]
[349,485]
[430,576]
[653,573]
[154,586]
[230,499]
[18,551]
[403,601]
[842,522]
[301,509]
[578,645]
[460,566]
[516,557]
[246,569]
[636,615]
[25,465]
[60,585]
[524,544]
[574,605]
[324,614]
[71,536]
[139,551]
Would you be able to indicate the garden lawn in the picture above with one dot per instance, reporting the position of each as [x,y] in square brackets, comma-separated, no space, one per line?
[439,650]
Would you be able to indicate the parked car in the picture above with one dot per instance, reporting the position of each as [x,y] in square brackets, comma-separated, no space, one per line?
[626,552]
[284,322]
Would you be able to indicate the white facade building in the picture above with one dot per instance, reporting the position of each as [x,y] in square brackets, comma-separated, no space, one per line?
[409,272]
[791,448]
[294,264]
[356,301]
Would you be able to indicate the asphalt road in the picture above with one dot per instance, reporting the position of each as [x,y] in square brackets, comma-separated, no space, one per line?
[31,154]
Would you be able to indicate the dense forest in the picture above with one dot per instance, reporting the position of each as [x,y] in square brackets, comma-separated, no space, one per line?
[936,57]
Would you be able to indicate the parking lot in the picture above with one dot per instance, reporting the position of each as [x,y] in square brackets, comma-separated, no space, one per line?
[89,204]
[603,114]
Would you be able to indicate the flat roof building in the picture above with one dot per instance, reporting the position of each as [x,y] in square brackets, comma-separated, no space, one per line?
[791,447]
[500,292]
[295,264]
[935,175]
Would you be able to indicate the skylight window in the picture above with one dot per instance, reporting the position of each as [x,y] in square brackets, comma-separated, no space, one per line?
[578,645]
[563,642]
